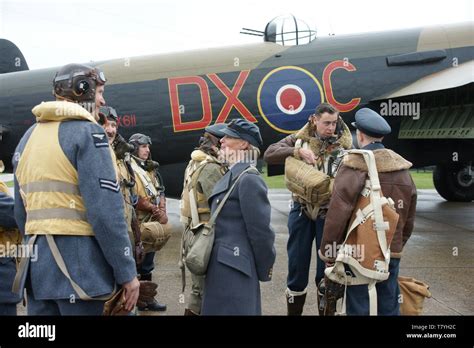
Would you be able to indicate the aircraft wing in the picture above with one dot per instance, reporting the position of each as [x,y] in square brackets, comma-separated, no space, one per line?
[453,77]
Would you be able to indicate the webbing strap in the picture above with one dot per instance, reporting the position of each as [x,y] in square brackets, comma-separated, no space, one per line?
[194,210]
[146,181]
[375,199]
[360,270]
[192,198]
[363,215]
[372,290]
[62,266]
[372,298]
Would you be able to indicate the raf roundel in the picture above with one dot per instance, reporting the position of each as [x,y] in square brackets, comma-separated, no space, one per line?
[286,106]
[290,99]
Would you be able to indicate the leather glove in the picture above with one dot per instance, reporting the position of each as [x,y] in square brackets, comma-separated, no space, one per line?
[116,305]
[147,293]
[144,204]
[155,212]
[163,218]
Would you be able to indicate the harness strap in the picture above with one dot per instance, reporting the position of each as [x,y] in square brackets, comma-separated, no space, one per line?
[372,298]
[62,266]
[373,210]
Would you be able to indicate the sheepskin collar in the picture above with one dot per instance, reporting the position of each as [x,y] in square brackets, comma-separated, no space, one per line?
[386,160]
[307,134]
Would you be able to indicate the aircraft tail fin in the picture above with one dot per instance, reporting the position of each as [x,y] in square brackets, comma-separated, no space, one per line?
[11,58]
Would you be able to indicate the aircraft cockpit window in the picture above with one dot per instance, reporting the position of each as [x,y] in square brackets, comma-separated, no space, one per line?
[289,31]
[285,30]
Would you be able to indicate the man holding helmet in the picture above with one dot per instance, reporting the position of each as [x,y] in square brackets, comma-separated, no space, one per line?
[150,208]
[68,204]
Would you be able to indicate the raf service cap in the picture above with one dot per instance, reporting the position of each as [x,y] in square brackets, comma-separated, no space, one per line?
[242,129]
[371,123]
[216,130]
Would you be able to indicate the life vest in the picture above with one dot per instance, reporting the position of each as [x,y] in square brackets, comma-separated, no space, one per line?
[192,201]
[48,182]
[325,165]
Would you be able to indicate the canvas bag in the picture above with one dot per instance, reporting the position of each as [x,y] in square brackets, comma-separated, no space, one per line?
[413,293]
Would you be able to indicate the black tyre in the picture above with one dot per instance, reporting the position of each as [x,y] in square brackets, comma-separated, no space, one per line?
[454,183]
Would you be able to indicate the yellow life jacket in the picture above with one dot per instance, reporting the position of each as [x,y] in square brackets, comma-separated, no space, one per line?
[191,198]
[48,182]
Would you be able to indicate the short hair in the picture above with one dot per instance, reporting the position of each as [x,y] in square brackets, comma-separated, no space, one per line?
[325,107]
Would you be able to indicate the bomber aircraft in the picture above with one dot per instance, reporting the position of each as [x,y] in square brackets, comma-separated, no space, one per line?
[420,80]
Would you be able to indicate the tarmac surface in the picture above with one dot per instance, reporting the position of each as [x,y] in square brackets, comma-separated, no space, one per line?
[440,252]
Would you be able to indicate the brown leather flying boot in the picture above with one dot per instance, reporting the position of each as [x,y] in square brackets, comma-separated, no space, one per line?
[154,305]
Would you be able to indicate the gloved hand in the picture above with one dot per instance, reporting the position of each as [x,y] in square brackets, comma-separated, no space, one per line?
[147,293]
[163,219]
[144,204]
[116,304]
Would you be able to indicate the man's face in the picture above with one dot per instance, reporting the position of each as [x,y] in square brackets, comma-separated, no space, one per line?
[230,148]
[326,124]
[99,99]
[111,130]
[144,152]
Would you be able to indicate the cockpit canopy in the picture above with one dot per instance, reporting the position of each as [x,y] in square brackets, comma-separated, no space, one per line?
[287,30]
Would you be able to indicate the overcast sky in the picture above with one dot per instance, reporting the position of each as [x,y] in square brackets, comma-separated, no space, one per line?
[52,32]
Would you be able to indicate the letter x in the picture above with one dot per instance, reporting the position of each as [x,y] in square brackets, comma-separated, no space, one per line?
[232,97]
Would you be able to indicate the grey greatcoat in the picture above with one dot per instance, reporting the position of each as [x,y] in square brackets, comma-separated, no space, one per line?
[243,253]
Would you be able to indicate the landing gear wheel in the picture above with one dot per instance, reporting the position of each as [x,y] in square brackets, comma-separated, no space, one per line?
[455,183]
